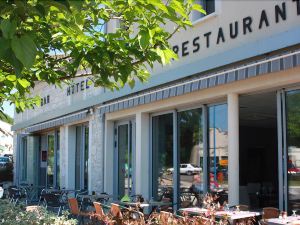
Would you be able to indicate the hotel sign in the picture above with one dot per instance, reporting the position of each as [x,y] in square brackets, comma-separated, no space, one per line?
[78,87]
[243,27]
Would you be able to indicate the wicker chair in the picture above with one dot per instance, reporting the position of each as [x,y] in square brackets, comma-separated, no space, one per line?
[99,214]
[75,211]
[116,214]
[164,217]
[241,207]
[268,213]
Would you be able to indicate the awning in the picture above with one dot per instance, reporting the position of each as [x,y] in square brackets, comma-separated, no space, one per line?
[276,63]
[58,122]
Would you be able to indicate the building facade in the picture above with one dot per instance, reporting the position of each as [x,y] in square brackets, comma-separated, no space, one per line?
[227,111]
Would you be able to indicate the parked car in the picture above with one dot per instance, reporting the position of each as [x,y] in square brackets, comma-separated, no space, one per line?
[292,169]
[4,162]
[187,168]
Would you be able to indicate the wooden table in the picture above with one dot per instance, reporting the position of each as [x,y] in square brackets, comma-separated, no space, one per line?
[288,220]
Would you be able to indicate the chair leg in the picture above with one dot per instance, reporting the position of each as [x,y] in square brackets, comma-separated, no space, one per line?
[58,213]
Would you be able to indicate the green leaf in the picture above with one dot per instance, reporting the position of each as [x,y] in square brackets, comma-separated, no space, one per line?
[12,59]
[159,4]
[130,2]
[24,83]
[144,39]
[4,43]
[24,49]
[11,77]
[199,8]
[178,7]
[8,28]
[166,55]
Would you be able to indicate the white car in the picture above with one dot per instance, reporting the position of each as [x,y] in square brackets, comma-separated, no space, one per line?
[187,168]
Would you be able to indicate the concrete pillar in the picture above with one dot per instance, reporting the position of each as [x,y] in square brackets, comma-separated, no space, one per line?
[70,156]
[109,158]
[233,148]
[142,172]
[96,148]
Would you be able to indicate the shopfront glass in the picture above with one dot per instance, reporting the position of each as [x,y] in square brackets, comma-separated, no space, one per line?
[190,137]
[57,154]
[162,156]
[218,147]
[124,160]
[50,161]
[24,159]
[81,158]
[293,148]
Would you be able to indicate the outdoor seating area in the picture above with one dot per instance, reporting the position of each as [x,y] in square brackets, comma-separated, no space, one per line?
[101,208]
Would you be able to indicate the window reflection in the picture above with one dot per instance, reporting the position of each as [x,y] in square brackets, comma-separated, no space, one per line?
[191,156]
[124,161]
[218,147]
[293,142]
[50,162]
[162,145]
[57,159]
[81,157]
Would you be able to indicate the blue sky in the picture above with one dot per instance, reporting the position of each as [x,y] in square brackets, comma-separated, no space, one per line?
[8,109]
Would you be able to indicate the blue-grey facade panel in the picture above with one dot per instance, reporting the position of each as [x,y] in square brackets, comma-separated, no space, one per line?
[198,82]
[252,71]
[57,122]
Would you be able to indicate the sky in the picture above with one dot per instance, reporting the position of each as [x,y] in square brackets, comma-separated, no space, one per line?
[8,109]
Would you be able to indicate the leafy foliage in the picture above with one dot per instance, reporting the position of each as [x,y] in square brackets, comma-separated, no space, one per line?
[10,214]
[6,118]
[47,40]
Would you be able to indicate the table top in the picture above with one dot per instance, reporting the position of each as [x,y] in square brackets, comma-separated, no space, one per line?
[135,204]
[288,220]
[100,196]
[233,215]
[144,204]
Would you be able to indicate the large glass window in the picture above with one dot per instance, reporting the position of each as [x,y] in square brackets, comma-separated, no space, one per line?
[162,147]
[24,159]
[191,154]
[293,148]
[50,161]
[124,160]
[86,157]
[218,147]
[81,158]
[57,159]
[207,5]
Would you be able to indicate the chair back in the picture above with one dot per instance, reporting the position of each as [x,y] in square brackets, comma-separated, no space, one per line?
[52,200]
[73,205]
[99,210]
[116,214]
[241,207]
[116,211]
[165,217]
[270,212]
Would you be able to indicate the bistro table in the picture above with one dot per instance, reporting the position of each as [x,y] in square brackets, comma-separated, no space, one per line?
[288,220]
[134,204]
[96,197]
[232,216]
[87,200]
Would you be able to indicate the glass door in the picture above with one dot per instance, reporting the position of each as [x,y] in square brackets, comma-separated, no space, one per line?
[82,157]
[50,161]
[162,156]
[292,164]
[124,145]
